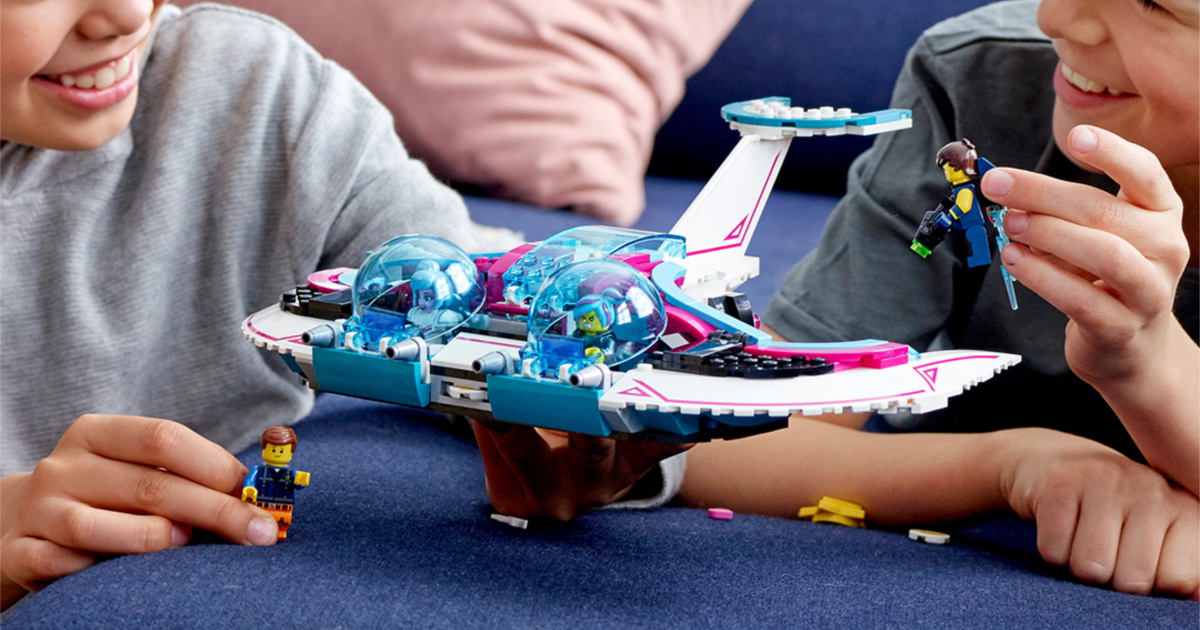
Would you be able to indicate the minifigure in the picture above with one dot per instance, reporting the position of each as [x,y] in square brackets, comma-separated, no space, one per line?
[432,292]
[272,485]
[594,315]
[959,209]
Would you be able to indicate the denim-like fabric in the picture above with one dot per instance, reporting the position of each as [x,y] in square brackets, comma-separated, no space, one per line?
[394,531]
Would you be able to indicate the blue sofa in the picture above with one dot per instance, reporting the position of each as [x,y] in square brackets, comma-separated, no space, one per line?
[394,530]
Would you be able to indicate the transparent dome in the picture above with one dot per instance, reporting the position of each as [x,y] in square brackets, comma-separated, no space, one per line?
[413,286]
[593,311]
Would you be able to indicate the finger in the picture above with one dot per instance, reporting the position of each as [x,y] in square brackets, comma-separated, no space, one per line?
[591,464]
[1097,535]
[1142,178]
[515,458]
[1122,267]
[124,487]
[1138,552]
[1056,521]
[82,527]
[159,443]
[33,562]
[1078,299]
[1179,562]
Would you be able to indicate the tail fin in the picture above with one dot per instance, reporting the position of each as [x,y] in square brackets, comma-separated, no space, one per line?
[723,216]
[721,220]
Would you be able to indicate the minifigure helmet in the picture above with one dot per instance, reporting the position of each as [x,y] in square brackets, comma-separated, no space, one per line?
[601,304]
[961,155]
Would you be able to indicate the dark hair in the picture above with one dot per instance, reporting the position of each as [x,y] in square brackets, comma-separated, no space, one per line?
[279,435]
[961,155]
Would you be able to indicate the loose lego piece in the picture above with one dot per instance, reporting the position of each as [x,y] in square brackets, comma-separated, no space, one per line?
[831,510]
[927,536]
[511,521]
[720,514]
[272,485]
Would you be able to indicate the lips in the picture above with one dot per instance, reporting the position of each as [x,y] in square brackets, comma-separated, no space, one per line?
[1077,90]
[96,88]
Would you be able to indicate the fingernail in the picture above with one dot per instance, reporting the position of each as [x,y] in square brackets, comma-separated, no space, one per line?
[1016,222]
[1083,141]
[180,534]
[997,183]
[262,532]
[1011,254]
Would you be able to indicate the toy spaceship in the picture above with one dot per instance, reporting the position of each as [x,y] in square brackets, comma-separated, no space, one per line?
[607,331]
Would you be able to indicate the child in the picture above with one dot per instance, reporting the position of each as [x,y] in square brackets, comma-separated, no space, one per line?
[165,173]
[1123,103]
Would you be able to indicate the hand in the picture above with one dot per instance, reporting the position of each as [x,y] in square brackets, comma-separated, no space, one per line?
[1110,263]
[535,473]
[1107,518]
[119,485]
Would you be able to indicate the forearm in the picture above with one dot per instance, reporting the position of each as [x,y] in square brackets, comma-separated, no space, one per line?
[1160,407]
[899,479]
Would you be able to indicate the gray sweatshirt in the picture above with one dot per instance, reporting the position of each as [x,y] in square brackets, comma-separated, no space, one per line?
[250,162]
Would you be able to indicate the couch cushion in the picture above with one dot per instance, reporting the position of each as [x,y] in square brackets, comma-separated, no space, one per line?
[551,103]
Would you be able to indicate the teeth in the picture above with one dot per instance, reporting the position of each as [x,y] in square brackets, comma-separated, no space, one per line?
[101,78]
[1084,83]
[105,77]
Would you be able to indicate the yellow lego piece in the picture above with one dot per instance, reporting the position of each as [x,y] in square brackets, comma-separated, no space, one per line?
[827,517]
[302,478]
[842,508]
[808,512]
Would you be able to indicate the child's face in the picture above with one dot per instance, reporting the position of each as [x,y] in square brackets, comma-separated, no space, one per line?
[1131,67]
[69,69]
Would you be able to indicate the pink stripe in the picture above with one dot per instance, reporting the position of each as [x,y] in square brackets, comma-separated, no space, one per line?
[495,343]
[255,330]
[729,404]
[749,223]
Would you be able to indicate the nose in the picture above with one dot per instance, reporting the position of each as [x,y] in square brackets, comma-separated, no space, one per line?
[106,19]
[1075,21]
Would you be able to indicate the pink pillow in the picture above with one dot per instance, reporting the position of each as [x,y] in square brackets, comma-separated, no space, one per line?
[549,102]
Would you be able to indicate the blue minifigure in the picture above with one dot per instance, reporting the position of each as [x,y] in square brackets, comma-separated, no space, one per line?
[960,209]
[432,292]
[272,485]
[594,316]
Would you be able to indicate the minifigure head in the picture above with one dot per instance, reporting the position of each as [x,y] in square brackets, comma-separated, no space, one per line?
[957,161]
[431,287]
[278,443]
[69,69]
[594,313]
[1131,67]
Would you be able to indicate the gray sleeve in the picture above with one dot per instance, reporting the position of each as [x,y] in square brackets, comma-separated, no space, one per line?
[379,191]
[862,264]
[862,280]
[658,487]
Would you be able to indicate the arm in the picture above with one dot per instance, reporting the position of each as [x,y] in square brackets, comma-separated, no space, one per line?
[1108,519]
[119,485]
[1112,265]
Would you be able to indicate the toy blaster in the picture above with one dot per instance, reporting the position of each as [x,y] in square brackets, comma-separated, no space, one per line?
[934,228]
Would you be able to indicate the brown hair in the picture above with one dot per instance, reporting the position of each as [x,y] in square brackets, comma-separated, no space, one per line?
[279,435]
[961,155]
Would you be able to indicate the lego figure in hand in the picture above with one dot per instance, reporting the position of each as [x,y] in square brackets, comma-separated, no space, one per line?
[431,291]
[272,486]
[594,316]
[959,209]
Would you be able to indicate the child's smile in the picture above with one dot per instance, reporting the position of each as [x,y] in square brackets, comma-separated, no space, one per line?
[96,87]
